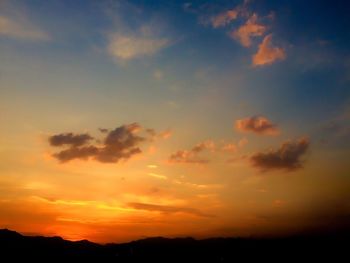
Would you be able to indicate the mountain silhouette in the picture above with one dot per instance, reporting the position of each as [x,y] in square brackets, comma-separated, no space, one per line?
[16,247]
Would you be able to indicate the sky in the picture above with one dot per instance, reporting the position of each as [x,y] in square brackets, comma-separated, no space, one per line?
[129,119]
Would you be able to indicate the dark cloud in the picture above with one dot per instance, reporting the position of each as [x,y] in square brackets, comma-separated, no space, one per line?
[168,209]
[71,153]
[192,155]
[118,144]
[257,124]
[70,139]
[286,157]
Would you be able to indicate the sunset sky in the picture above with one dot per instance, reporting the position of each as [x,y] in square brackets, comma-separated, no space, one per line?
[129,119]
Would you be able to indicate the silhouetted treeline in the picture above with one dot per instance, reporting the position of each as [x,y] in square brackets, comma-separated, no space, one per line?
[328,248]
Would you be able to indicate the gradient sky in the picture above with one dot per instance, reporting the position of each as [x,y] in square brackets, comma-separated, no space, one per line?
[129,119]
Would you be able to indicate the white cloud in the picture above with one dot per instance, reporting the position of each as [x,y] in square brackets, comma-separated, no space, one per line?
[126,47]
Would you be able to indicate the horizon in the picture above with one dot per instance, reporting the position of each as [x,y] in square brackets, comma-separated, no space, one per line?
[327,236]
[131,119]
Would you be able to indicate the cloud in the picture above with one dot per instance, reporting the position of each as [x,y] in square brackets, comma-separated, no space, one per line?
[224,18]
[229,148]
[168,209]
[165,134]
[126,47]
[242,142]
[162,134]
[184,156]
[20,28]
[286,157]
[103,130]
[192,155]
[254,25]
[158,176]
[257,124]
[119,144]
[268,54]
[77,153]
[187,7]
[250,29]
[206,145]
[69,139]
[134,35]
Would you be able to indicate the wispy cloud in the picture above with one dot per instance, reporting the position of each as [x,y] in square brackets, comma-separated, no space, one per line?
[168,209]
[224,18]
[126,47]
[20,28]
[267,53]
[165,134]
[158,176]
[229,147]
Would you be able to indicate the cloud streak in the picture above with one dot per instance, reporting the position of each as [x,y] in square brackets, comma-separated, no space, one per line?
[21,29]
[168,209]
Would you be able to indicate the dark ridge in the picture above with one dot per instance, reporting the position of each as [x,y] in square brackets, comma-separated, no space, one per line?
[330,248]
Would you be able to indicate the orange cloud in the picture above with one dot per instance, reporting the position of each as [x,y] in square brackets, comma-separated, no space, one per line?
[224,18]
[242,142]
[250,29]
[229,147]
[257,124]
[192,156]
[162,134]
[268,54]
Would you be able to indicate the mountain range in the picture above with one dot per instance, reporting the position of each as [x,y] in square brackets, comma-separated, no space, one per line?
[333,248]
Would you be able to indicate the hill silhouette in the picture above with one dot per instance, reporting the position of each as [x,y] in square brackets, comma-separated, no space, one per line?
[333,248]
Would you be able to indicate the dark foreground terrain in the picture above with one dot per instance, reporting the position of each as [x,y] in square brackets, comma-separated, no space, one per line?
[15,247]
